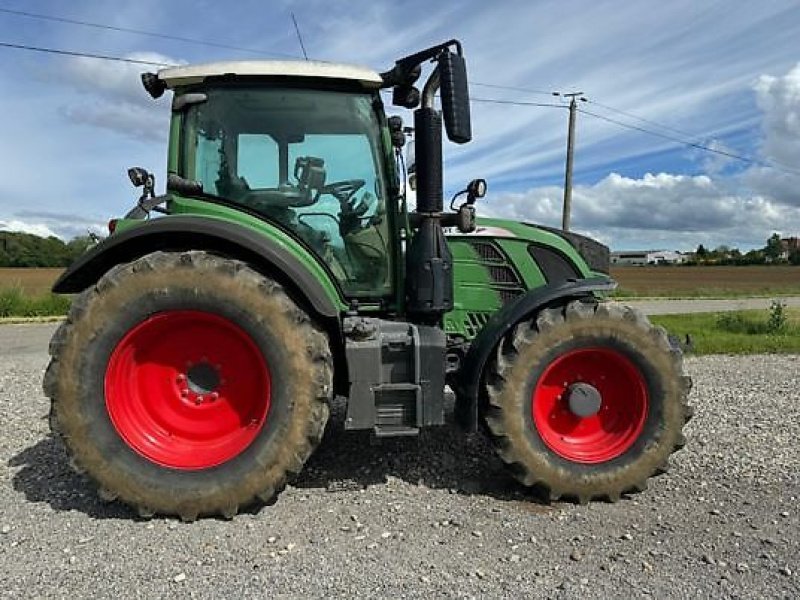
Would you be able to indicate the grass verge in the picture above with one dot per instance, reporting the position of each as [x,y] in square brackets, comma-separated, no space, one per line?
[15,303]
[770,331]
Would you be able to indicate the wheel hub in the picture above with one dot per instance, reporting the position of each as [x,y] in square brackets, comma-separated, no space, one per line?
[202,378]
[584,399]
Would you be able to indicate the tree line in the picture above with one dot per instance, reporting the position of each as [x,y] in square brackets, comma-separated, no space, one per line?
[774,253]
[29,250]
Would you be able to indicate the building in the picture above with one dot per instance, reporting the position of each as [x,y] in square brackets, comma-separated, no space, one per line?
[788,246]
[647,257]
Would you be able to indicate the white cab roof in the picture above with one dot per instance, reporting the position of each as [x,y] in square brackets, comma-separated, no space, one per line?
[190,74]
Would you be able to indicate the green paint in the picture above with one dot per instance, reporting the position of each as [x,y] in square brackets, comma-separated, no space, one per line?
[476,295]
[180,205]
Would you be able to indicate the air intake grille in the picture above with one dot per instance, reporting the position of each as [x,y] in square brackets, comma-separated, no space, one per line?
[488,251]
[503,274]
[504,278]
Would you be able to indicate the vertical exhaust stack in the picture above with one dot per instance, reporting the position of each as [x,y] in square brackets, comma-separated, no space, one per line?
[429,264]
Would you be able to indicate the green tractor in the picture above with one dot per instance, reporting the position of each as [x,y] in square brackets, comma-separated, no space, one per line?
[194,372]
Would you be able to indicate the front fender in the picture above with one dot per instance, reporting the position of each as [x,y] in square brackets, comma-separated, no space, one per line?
[182,232]
[471,372]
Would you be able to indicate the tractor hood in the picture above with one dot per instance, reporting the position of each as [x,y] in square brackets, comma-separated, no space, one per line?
[596,255]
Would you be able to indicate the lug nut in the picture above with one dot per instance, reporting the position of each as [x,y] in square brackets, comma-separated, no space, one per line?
[214,396]
[181,378]
[198,400]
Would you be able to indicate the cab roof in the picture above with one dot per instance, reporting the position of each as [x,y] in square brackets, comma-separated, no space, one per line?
[191,74]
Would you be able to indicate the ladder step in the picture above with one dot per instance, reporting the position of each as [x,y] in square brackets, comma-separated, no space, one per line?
[395,431]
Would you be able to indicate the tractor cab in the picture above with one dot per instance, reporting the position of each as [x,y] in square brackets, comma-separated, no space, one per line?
[308,148]
[302,145]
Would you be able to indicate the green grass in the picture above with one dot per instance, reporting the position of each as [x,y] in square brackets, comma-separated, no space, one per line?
[770,331]
[15,303]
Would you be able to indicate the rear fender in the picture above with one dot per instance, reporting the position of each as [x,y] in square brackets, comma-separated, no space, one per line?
[199,233]
[470,375]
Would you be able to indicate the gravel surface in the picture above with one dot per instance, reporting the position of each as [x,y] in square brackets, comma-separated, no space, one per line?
[427,517]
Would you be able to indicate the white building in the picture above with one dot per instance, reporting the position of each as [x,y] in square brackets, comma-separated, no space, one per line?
[647,257]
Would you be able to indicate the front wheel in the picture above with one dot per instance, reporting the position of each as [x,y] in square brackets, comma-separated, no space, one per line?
[586,401]
[188,384]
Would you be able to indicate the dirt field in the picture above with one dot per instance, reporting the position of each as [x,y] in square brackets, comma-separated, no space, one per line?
[34,282]
[707,281]
[637,281]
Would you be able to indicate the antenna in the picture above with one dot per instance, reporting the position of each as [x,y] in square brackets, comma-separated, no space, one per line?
[299,37]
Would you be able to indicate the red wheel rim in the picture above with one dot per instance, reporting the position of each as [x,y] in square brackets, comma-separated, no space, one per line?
[187,389]
[614,428]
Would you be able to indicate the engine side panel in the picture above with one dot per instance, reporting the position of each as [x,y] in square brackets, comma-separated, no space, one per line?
[501,261]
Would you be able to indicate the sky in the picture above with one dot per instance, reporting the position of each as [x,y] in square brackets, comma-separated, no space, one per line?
[725,75]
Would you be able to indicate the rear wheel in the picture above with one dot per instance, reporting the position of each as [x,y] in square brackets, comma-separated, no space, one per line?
[586,401]
[188,384]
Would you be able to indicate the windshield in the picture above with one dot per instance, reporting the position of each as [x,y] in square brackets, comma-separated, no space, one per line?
[308,160]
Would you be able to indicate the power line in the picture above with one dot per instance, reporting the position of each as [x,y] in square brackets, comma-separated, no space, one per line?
[747,159]
[511,88]
[643,120]
[86,55]
[518,103]
[154,34]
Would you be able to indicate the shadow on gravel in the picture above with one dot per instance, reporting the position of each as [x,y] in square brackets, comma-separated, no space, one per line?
[46,476]
[439,458]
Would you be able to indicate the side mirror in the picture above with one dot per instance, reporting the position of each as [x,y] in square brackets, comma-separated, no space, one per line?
[455,97]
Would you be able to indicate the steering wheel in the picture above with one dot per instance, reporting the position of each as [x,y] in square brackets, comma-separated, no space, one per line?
[343,190]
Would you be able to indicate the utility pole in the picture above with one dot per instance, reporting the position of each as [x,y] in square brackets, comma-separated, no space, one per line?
[573,108]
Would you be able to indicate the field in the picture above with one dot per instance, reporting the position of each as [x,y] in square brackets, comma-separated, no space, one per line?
[31,282]
[684,282]
[690,282]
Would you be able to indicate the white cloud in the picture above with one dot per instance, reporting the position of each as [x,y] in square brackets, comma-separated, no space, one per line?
[112,96]
[661,209]
[35,228]
[779,99]
[46,224]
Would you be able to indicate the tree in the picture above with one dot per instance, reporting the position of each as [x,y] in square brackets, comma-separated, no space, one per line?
[701,251]
[774,248]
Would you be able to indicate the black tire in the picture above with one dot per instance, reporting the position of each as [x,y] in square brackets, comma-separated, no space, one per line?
[522,359]
[296,351]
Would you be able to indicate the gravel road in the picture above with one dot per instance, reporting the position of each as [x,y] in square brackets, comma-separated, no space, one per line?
[669,306]
[428,517]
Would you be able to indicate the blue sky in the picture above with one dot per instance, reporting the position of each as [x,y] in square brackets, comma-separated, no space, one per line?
[725,74]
